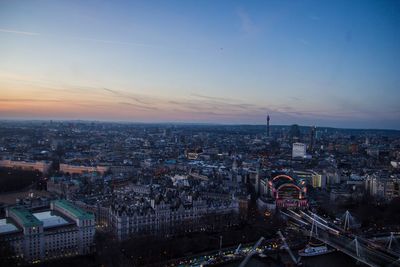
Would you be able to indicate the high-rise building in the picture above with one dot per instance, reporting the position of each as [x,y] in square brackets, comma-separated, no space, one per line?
[298,150]
[268,132]
[294,132]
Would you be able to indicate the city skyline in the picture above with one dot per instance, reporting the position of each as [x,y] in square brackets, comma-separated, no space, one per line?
[310,63]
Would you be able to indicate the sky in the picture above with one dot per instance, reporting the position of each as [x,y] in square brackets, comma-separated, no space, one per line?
[323,63]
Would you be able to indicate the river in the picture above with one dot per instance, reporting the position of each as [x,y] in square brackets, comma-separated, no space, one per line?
[328,260]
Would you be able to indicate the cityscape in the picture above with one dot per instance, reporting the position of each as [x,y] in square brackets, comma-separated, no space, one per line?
[212,133]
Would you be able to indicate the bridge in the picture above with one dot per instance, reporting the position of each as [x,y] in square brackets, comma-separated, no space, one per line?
[361,249]
[389,238]
[251,253]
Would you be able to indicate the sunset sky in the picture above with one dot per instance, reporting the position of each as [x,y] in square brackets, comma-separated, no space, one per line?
[323,63]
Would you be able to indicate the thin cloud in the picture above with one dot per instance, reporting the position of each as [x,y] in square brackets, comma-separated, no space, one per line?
[116,42]
[217,105]
[313,17]
[110,90]
[303,41]
[123,95]
[246,23]
[28,100]
[18,32]
[194,105]
[137,106]
[221,103]
[82,38]
[295,98]
[211,97]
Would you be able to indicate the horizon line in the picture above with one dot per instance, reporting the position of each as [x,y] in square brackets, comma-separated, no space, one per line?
[189,123]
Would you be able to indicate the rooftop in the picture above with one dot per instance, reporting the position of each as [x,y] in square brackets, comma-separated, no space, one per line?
[50,219]
[25,217]
[73,210]
[6,226]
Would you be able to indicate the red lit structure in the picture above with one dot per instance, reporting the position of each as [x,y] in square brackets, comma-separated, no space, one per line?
[288,192]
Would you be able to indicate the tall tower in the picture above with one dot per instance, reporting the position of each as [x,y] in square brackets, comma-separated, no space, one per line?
[268,125]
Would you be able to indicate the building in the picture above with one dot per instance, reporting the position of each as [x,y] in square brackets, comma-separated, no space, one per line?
[395,164]
[312,138]
[243,207]
[64,230]
[33,202]
[62,186]
[332,176]
[164,218]
[313,178]
[266,204]
[257,183]
[338,194]
[318,180]
[42,166]
[299,150]
[383,186]
[288,192]
[133,188]
[100,212]
[263,187]
[79,169]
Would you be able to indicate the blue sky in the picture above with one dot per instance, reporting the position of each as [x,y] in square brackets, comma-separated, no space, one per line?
[324,63]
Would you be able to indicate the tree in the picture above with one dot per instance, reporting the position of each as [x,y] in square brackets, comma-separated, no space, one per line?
[7,255]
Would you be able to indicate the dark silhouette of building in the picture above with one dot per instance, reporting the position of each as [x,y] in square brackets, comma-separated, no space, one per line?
[294,132]
[268,133]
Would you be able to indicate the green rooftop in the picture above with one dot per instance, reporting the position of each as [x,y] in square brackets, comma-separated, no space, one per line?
[25,217]
[73,210]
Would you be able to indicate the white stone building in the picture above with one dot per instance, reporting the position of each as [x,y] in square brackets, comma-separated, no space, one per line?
[64,230]
[138,220]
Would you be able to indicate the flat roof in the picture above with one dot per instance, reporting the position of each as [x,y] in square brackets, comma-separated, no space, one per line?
[26,217]
[50,219]
[74,210]
[6,226]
